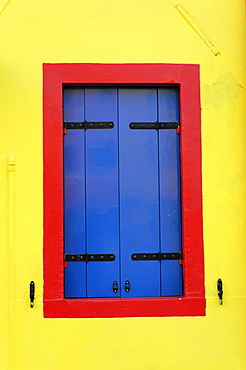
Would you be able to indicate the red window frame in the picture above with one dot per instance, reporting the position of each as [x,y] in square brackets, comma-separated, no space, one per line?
[193,302]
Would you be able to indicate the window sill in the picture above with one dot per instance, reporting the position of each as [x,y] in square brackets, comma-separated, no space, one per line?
[125,307]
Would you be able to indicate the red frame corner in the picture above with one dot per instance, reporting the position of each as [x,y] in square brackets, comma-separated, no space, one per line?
[192,303]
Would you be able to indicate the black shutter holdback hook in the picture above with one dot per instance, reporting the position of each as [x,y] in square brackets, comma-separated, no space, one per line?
[32,293]
[220,290]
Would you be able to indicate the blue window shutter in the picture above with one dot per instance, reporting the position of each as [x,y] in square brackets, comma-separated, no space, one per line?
[74,193]
[170,211]
[122,192]
[139,206]
[102,199]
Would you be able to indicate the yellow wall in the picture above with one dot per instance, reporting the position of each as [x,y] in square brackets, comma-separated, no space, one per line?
[122,31]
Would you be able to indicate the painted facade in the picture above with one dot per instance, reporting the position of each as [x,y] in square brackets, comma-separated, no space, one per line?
[209,34]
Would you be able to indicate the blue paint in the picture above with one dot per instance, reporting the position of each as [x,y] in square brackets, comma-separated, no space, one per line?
[102,208]
[170,211]
[122,192]
[74,194]
[139,208]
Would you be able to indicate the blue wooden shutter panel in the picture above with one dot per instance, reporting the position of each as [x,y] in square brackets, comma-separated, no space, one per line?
[102,199]
[74,193]
[122,193]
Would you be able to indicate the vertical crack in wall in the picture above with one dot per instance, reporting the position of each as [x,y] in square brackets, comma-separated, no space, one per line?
[198,29]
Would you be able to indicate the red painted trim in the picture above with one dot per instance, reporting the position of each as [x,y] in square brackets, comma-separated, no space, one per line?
[187,78]
[119,307]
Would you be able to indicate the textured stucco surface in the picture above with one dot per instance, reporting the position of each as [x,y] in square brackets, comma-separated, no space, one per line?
[150,31]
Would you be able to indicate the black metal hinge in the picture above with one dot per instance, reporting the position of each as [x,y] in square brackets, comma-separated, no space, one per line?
[156,256]
[87,125]
[88,257]
[154,125]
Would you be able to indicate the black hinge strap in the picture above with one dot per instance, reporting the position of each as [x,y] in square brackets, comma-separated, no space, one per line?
[153,125]
[156,256]
[88,257]
[87,125]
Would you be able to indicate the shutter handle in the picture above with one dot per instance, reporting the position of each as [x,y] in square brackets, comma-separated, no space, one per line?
[127,286]
[115,287]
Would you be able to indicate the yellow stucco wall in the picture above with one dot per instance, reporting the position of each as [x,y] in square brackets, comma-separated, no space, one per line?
[122,31]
